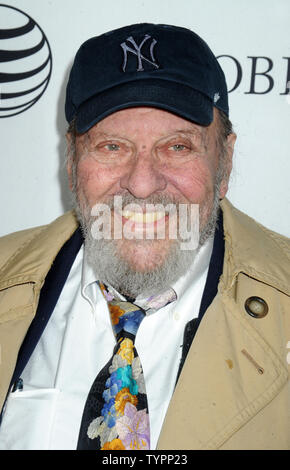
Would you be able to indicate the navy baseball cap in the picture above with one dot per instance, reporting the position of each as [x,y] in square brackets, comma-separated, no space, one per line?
[156,65]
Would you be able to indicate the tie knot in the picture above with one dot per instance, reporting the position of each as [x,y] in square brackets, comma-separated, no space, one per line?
[125,316]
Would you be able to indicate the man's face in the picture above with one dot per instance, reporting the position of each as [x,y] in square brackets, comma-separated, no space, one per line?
[149,155]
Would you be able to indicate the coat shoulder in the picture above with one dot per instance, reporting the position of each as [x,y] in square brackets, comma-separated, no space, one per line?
[275,240]
[283,243]
[14,242]
[49,237]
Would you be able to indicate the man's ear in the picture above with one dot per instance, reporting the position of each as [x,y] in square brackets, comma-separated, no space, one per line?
[228,163]
[69,161]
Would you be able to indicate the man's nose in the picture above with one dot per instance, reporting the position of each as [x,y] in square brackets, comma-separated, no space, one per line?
[143,177]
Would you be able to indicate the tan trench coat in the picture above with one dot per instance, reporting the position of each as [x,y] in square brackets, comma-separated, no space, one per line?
[234,389]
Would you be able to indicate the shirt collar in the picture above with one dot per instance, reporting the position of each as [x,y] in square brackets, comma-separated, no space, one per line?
[88,283]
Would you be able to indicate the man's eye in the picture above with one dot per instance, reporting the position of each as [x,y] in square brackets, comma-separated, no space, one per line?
[112,147]
[178,147]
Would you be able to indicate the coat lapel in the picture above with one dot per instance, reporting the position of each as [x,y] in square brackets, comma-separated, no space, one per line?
[48,298]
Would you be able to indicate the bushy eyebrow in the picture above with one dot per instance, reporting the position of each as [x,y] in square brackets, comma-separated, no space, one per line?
[188,131]
[104,134]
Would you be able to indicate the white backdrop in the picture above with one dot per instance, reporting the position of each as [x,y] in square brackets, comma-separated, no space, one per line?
[33,182]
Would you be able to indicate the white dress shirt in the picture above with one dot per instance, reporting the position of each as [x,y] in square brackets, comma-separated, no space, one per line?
[76,344]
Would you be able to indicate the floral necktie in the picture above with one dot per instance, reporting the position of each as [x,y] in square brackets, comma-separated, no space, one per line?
[116,411]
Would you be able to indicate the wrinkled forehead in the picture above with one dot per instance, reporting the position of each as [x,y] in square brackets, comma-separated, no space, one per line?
[147,126]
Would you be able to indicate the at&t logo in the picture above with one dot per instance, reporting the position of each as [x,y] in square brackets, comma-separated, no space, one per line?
[25,61]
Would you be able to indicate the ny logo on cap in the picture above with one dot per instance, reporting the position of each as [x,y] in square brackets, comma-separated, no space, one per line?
[137,51]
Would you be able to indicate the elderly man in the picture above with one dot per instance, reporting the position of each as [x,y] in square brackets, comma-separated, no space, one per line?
[120,329]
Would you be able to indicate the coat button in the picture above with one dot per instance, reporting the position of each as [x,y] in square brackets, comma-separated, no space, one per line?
[256,307]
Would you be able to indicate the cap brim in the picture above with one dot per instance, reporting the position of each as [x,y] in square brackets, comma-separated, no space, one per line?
[170,96]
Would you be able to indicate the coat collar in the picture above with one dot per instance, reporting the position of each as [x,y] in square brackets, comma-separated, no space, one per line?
[244,252]
[33,259]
